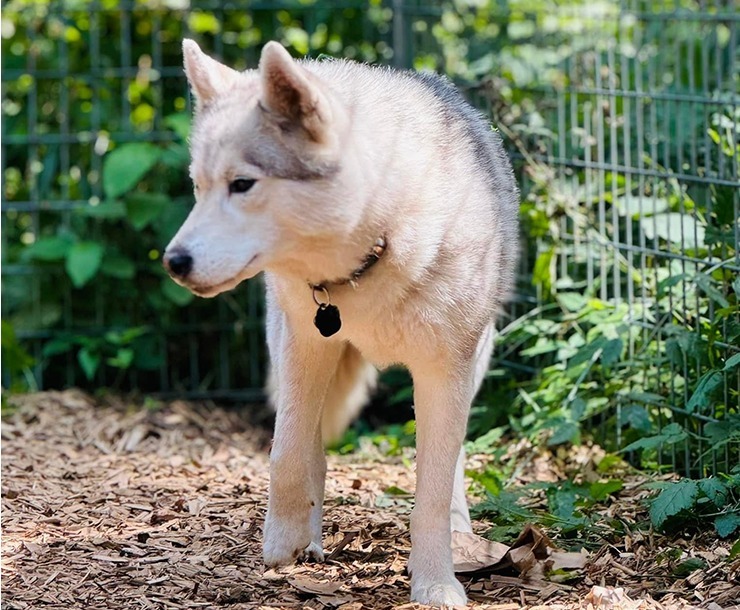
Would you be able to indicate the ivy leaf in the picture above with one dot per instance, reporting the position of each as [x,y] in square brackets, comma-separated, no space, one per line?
[126,165]
[675,498]
[702,395]
[83,262]
[89,361]
[727,524]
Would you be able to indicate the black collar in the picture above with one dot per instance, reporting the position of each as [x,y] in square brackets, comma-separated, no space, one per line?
[372,257]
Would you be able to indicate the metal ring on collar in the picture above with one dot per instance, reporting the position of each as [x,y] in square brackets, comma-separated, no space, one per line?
[320,288]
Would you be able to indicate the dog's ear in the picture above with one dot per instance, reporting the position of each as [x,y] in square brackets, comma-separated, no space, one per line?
[206,76]
[292,93]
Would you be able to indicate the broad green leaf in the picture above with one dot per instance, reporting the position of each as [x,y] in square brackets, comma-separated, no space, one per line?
[60,345]
[735,550]
[612,352]
[126,165]
[683,569]
[180,124]
[541,275]
[176,293]
[83,262]
[732,362]
[119,266]
[675,498]
[89,361]
[715,490]
[602,490]
[670,435]
[702,396]
[637,206]
[144,208]
[635,416]
[727,524]
[708,286]
[49,248]
[565,433]
[123,358]
[675,228]
[397,491]
[572,301]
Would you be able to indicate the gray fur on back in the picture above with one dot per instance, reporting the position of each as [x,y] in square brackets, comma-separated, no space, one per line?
[486,143]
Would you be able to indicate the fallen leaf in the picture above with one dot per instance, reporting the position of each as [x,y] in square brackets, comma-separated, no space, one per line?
[471,552]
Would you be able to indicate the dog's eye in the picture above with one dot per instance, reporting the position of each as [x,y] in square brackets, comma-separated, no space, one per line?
[241,185]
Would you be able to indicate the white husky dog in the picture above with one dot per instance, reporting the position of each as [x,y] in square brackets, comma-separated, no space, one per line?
[383,210]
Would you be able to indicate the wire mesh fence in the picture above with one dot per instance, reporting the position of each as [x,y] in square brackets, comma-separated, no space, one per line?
[622,119]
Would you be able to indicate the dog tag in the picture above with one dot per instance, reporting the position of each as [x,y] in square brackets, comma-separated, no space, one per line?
[327,320]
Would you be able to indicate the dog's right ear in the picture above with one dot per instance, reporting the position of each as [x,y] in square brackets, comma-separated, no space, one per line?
[292,93]
[207,77]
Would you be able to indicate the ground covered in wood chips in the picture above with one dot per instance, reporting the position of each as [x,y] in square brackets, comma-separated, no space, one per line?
[110,505]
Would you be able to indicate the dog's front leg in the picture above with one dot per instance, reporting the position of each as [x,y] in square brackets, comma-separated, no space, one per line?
[442,401]
[304,369]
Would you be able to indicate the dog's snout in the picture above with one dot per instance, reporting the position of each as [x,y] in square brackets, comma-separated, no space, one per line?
[179,264]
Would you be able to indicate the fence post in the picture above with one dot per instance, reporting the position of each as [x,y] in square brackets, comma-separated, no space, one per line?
[399,37]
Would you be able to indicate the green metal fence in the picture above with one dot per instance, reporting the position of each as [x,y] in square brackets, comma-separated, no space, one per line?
[622,119]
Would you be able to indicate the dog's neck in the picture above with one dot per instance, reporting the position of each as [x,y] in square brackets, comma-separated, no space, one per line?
[371,257]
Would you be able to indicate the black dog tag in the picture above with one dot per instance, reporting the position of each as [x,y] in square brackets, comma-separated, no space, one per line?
[327,320]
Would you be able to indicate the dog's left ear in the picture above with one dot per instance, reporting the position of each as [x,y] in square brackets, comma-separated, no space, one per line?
[291,92]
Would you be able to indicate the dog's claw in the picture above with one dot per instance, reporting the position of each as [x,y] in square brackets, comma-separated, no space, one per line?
[313,552]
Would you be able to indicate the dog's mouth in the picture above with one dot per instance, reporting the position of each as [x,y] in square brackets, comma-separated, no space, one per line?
[212,290]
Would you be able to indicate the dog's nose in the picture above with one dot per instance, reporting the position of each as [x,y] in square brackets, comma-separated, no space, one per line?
[178,264]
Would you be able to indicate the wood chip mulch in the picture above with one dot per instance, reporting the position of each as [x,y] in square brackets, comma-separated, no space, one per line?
[113,506]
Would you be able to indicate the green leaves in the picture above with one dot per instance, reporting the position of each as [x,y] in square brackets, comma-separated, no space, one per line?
[676,497]
[727,524]
[671,434]
[689,502]
[143,208]
[83,261]
[126,165]
[49,248]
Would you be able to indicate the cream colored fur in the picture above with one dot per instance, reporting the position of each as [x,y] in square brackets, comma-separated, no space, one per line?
[342,154]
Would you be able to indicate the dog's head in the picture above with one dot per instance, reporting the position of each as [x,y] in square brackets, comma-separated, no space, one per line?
[266,169]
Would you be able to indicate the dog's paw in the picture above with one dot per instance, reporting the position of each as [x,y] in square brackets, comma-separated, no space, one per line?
[284,545]
[281,555]
[439,594]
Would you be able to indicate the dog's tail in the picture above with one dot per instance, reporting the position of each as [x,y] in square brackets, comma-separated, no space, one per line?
[349,391]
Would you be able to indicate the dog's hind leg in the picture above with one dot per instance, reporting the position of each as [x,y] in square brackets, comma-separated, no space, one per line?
[459,514]
[354,380]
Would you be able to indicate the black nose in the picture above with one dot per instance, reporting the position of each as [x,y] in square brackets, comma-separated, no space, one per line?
[178,263]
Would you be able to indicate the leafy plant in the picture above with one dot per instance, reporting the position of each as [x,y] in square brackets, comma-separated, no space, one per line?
[691,503]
